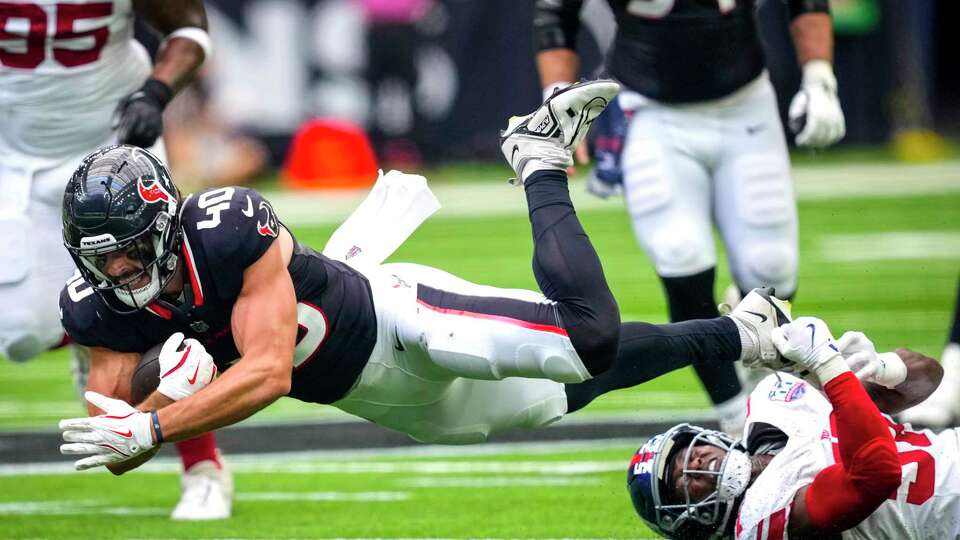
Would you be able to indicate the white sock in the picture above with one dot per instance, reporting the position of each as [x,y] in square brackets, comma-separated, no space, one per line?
[535,165]
[749,348]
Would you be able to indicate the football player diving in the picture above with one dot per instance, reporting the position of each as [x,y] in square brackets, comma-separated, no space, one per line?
[409,347]
[820,456]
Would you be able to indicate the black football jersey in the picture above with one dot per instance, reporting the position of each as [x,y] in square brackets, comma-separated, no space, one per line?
[696,51]
[674,51]
[225,231]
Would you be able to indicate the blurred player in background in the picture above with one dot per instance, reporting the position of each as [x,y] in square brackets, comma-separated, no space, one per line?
[943,407]
[72,78]
[812,464]
[705,144]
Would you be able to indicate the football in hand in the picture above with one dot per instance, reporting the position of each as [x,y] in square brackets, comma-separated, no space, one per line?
[146,378]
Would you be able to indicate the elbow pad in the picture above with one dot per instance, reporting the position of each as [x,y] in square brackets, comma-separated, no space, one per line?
[799,7]
[556,24]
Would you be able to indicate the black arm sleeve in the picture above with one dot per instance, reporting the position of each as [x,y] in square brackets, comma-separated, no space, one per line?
[799,7]
[556,23]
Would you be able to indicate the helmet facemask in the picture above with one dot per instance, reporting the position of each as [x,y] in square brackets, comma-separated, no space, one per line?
[678,515]
[152,251]
[731,478]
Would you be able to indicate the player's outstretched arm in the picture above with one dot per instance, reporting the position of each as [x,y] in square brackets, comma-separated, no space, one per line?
[868,469]
[923,377]
[264,325]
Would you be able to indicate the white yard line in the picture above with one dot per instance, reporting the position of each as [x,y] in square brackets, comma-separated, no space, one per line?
[497,198]
[340,461]
[895,245]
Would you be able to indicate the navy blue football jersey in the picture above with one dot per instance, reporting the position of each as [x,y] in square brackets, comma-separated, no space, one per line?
[225,231]
[674,51]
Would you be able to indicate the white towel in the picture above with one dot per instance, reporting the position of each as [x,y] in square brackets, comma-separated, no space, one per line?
[395,207]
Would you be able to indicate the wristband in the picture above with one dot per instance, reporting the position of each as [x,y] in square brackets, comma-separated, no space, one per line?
[892,370]
[819,72]
[155,420]
[194,34]
[158,91]
[831,369]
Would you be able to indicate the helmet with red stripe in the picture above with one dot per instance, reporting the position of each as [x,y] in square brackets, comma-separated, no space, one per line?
[664,501]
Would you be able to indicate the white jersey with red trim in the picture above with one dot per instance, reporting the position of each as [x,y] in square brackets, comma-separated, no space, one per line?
[927,505]
[64,66]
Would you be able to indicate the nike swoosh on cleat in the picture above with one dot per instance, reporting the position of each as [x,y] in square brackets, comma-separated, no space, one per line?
[397,344]
[763,318]
[513,153]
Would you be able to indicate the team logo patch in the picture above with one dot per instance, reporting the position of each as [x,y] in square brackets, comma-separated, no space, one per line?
[152,191]
[268,225]
[787,391]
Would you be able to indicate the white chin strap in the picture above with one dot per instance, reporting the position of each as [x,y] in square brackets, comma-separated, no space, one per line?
[735,475]
[139,298]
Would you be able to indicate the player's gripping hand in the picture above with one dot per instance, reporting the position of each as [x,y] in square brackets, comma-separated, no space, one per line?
[118,435]
[138,118]
[808,343]
[815,114]
[885,369]
[185,367]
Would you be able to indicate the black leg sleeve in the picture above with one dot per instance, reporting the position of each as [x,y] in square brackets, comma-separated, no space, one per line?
[691,297]
[568,271]
[648,350]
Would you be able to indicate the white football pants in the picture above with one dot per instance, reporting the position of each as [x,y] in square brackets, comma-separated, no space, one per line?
[445,375]
[724,161]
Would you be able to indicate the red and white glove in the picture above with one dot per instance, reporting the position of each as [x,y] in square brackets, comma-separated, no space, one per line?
[886,369]
[815,115]
[808,343]
[118,435]
[185,367]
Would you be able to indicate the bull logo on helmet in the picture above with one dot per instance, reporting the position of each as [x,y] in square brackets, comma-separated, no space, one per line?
[154,192]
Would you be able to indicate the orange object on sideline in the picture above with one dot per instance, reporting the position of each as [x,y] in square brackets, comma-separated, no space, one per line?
[329,154]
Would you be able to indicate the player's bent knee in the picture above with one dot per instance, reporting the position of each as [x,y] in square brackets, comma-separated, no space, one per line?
[22,347]
[770,265]
[681,251]
[22,336]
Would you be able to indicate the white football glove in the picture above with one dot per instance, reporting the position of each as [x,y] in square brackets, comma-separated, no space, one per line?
[118,435]
[185,367]
[815,115]
[808,343]
[886,369]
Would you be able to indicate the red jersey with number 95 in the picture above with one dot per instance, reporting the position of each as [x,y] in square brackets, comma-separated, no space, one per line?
[926,506]
[64,65]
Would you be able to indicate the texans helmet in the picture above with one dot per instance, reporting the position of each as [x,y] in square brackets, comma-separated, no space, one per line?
[122,201]
[678,516]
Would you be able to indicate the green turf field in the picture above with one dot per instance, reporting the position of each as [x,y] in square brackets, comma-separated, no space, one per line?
[880,252]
